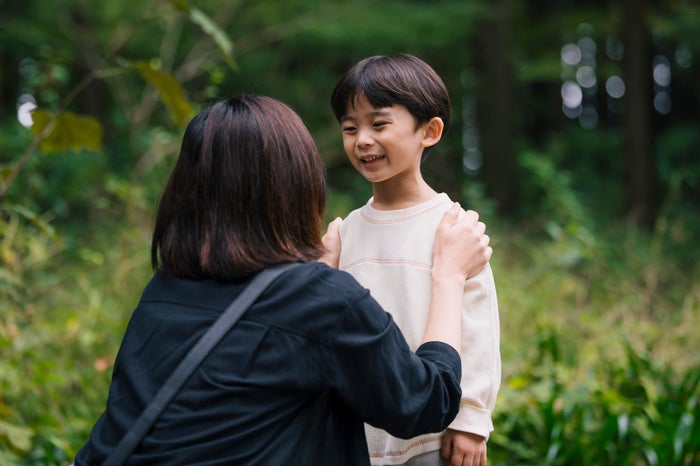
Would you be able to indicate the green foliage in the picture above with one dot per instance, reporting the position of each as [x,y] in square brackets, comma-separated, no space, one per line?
[574,394]
[580,294]
[57,129]
[59,331]
[678,161]
[621,412]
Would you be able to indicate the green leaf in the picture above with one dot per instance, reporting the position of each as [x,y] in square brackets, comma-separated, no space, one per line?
[5,173]
[19,437]
[67,131]
[37,221]
[180,4]
[210,28]
[170,91]
[216,33]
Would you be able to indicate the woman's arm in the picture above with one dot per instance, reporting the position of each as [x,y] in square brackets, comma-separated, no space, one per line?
[460,250]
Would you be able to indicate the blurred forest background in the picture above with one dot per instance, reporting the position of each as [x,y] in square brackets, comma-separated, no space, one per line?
[575,134]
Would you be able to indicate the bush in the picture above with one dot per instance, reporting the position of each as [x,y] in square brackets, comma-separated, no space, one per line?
[630,412]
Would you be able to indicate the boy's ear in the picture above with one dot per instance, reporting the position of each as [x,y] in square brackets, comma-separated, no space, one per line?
[432,131]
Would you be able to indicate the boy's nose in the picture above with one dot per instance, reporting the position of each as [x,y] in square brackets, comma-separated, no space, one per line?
[364,138]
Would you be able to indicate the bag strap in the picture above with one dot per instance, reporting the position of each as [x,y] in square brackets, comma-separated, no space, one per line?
[194,357]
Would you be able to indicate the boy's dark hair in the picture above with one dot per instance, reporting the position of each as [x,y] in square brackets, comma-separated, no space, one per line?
[387,80]
[248,190]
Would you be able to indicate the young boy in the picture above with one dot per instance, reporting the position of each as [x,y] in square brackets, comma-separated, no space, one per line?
[392,110]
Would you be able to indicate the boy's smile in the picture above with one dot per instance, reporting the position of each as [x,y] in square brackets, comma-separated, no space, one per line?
[371,158]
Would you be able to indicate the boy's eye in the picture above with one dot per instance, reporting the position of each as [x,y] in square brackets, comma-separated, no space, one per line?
[379,124]
[348,129]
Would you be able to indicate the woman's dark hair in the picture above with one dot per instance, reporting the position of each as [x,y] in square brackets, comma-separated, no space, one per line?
[388,80]
[248,190]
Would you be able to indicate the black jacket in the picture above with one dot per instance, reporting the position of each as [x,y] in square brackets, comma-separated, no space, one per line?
[292,382]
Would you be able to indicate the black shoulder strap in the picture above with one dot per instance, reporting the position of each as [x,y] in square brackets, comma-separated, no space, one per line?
[184,370]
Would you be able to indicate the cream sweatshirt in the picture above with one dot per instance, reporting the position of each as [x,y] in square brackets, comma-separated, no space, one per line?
[389,252]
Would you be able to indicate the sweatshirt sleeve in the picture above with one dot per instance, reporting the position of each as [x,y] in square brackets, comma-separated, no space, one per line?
[481,358]
[384,383]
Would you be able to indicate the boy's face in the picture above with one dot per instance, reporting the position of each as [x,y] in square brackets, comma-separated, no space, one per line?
[382,143]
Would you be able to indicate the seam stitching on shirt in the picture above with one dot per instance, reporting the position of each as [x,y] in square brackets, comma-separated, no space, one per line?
[422,265]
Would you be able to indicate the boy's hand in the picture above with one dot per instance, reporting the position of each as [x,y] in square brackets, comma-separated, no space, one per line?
[460,249]
[463,449]
[331,243]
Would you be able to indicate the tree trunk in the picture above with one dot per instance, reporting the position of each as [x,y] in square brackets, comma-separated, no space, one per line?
[7,87]
[639,153]
[495,105]
[91,100]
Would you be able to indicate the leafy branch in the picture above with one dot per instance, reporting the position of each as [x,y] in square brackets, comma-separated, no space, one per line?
[63,130]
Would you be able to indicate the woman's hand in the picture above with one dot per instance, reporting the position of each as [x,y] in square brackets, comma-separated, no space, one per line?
[461,248]
[331,244]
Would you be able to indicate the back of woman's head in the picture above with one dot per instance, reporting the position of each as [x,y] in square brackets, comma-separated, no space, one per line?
[248,190]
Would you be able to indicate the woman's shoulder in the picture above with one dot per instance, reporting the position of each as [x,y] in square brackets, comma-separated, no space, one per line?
[318,276]
[317,300]
[326,286]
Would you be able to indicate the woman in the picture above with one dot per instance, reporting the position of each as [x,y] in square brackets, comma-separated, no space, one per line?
[290,383]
